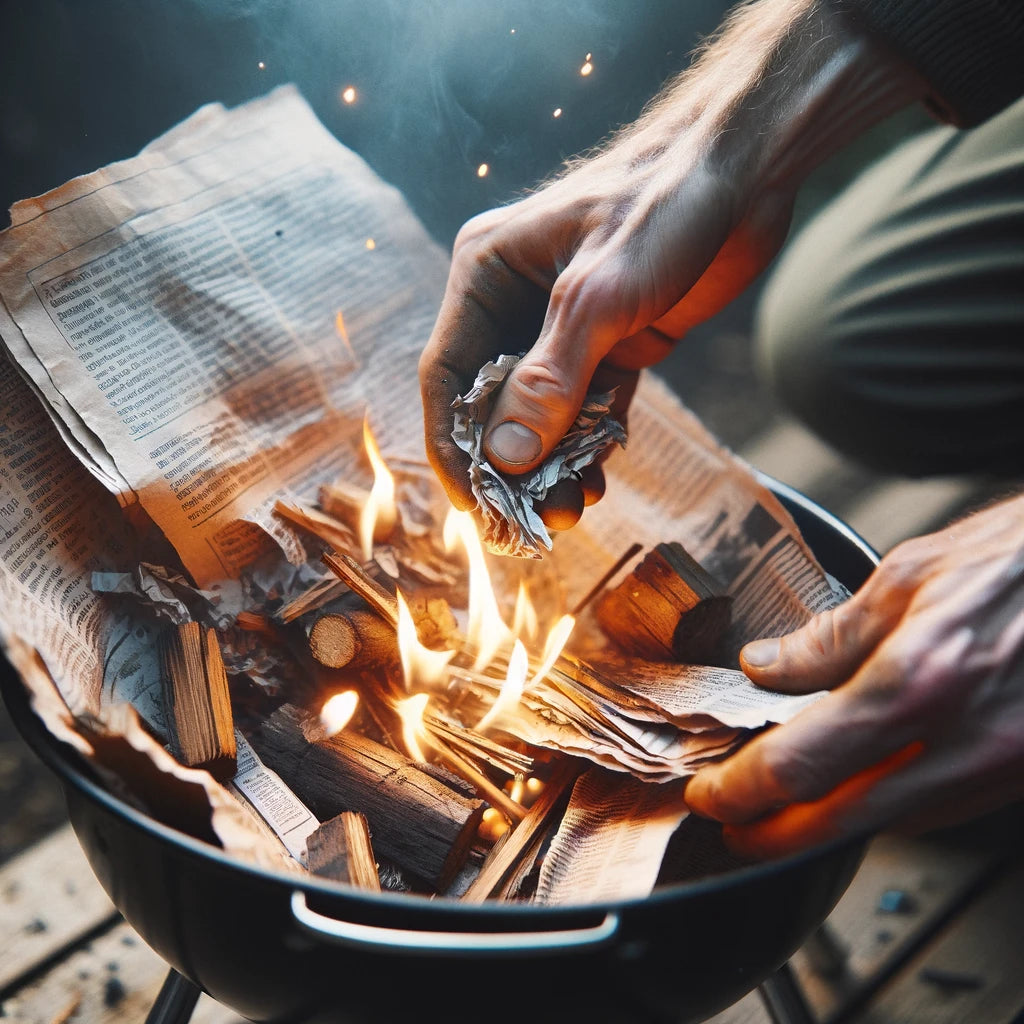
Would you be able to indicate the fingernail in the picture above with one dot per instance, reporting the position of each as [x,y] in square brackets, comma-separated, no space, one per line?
[761,653]
[513,443]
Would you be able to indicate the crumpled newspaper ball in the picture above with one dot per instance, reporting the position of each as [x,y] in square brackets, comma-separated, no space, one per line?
[506,504]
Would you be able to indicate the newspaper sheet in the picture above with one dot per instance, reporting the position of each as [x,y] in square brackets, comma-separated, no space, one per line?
[197,333]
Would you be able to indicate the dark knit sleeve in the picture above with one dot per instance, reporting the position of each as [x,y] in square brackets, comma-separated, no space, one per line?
[971,52]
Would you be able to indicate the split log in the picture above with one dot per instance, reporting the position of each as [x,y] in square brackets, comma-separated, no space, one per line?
[341,849]
[669,608]
[417,822]
[198,700]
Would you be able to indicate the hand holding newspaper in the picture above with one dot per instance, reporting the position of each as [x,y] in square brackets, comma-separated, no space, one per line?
[196,334]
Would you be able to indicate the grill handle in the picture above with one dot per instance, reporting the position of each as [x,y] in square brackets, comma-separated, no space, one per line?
[406,940]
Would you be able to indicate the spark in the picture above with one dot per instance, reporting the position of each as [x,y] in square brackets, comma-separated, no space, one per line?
[261,65]
[348,94]
[481,171]
[557,112]
[371,244]
[587,67]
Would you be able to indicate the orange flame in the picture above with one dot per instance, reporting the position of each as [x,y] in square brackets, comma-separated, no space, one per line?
[553,646]
[411,711]
[421,666]
[338,711]
[379,514]
[511,689]
[486,632]
[524,618]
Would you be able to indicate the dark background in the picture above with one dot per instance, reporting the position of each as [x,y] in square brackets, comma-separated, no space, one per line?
[442,86]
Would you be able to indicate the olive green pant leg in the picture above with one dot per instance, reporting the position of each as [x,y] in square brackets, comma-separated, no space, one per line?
[893,324]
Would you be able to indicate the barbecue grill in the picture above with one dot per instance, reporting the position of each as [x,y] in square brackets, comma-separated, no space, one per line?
[277,949]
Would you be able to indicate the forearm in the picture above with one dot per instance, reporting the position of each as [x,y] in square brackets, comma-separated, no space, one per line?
[783,86]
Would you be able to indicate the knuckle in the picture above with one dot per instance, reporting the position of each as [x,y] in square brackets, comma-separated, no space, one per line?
[541,384]
[795,775]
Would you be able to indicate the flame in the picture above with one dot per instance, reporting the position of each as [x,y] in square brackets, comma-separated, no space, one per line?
[348,94]
[512,688]
[411,711]
[518,789]
[421,666]
[553,646]
[342,331]
[524,618]
[379,513]
[485,632]
[338,711]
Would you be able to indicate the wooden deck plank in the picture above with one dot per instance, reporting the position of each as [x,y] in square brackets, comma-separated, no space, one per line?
[970,973]
[932,874]
[49,899]
[110,980]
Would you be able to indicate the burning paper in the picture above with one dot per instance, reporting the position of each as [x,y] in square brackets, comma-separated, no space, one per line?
[512,525]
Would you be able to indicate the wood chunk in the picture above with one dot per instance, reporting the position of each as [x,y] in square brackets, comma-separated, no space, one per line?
[321,525]
[345,501]
[341,849]
[198,700]
[358,638]
[420,824]
[669,608]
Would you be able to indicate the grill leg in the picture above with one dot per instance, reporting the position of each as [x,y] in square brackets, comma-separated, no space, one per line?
[783,998]
[176,1001]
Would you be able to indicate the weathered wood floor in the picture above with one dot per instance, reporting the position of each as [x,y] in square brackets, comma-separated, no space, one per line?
[930,931]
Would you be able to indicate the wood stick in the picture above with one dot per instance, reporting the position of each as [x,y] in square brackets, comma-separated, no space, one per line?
[357,638]
[357,579]
[633,549]
[669,608]
[317,596]
[486,789]
[417,822]
[330,530]
[341,849]
[199,701]
[503,859]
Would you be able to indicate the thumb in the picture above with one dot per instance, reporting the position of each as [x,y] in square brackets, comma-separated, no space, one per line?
[535,408]
[543,395]
[826,651]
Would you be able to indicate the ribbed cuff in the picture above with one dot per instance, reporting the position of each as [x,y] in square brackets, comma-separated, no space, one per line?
[971,52]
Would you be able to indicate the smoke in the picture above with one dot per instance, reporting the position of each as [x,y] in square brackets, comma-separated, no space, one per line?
[442,86]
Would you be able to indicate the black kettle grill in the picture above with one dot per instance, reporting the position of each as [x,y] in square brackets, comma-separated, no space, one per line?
[280,949]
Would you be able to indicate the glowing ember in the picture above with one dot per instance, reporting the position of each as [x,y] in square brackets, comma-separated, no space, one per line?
[371,244]
[486,632]
[557,112]
[380,513]
[518,790]
[348,95]
[492,825]
[421,666]
[481,171]
[511,689]
[338,711]
[411,711]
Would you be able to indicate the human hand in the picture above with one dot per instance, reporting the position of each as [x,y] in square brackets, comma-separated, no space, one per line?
[598,274]
[925,724]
